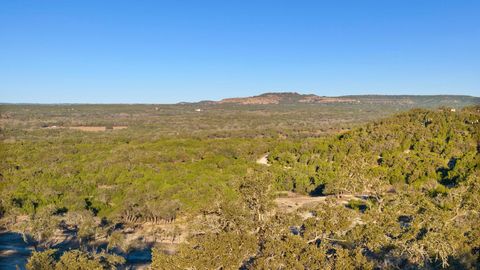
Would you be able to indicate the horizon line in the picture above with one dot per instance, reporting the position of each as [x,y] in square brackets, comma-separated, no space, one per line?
[207,100]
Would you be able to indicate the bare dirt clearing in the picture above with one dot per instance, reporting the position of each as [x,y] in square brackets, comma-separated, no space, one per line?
[97,128]
[293,201]
[263,160]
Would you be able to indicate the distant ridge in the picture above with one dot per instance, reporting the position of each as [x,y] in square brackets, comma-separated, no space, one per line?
[274,98]
[285,98]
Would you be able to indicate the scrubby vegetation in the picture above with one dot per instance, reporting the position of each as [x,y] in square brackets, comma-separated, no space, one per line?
[419,174]
[432,150]
[400,192]
[73,260]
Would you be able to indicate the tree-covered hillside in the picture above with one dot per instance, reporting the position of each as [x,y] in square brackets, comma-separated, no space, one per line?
[432,150]
[416,179]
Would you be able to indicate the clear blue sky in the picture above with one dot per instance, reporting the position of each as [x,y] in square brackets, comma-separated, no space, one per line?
[137,51]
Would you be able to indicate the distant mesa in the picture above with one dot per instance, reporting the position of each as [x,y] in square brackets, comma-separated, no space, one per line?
[286,98]
[292,98]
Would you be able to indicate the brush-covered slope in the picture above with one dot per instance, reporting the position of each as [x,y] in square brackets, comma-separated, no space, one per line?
[417,174]
[434,150]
